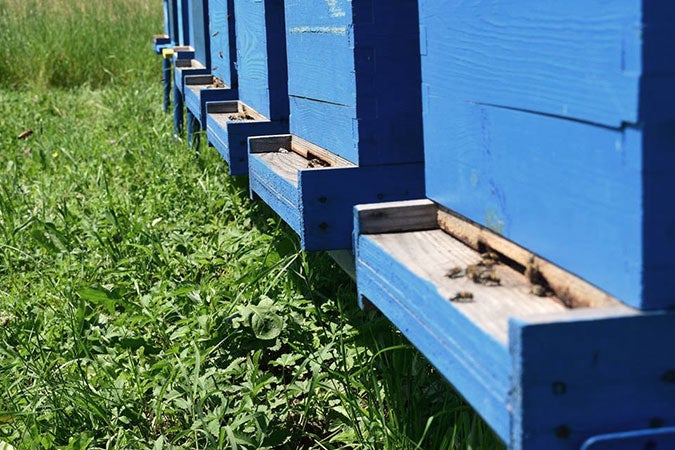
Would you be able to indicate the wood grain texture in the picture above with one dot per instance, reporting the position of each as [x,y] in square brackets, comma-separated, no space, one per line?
[323,196]
[570,375]
[230,136]
[476,364]
[582,59]
[223,41]
[572,290]
[430,254]
[566,190]
[261,56]
[392,217]
[275,190]
[352,71]
[550,124]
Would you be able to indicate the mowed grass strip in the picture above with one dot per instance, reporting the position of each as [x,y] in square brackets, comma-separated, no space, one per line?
[145,301]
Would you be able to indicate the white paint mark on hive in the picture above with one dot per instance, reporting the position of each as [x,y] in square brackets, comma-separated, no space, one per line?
[320,30]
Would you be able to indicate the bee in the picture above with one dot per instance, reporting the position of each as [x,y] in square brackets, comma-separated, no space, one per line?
[539,290]
[491,279]
[482,274]
[462,297]
[490,258]
[455,272]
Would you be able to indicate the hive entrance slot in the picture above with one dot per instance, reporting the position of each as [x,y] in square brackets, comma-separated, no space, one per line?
[314,160]
[545,278]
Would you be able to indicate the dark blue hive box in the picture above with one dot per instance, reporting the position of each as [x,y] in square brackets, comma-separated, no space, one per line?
[262,104]
[221,81]
[553,124]
[353,70]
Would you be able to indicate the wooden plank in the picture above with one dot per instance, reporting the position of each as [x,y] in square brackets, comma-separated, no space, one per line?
[330,126]
[286,164]
[329,194]
[228,131]
[223,44]
[392,217]
[581,59]
[261,56]
[432,254]
[204,80]
[570,289]
[575,378]
[182,22]
[475,364]
[278,192]
[269,143]
[566,190]
[199,31]
[351,66]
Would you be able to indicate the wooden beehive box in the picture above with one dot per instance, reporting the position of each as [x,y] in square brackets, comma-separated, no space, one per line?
[553,124]
[353,86]
[220,82]
[548,360]
[262,103]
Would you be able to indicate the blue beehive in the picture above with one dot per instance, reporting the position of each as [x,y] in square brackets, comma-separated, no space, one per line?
[175,36]
[196,59]
[353,70]
[221,81]
[262,104]
[549,143]
[553,125]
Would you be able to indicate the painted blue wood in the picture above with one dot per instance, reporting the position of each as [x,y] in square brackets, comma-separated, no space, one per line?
[550,125]
[183,22]
[166,83]
[199,31]
[261,56]
[165,16]
[196,99]
[281,196]
[353,78]
[476,365]
[222,41]
[192,130]
[575,378]
[159,43]
[231,140]
[318,206]
[583,377]
[328,196]
[178,112]
[586,60]
[659,438]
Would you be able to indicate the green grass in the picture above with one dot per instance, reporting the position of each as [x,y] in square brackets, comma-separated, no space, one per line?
[146,302]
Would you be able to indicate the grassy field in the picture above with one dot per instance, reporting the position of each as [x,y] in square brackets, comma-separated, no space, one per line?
[145,301]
